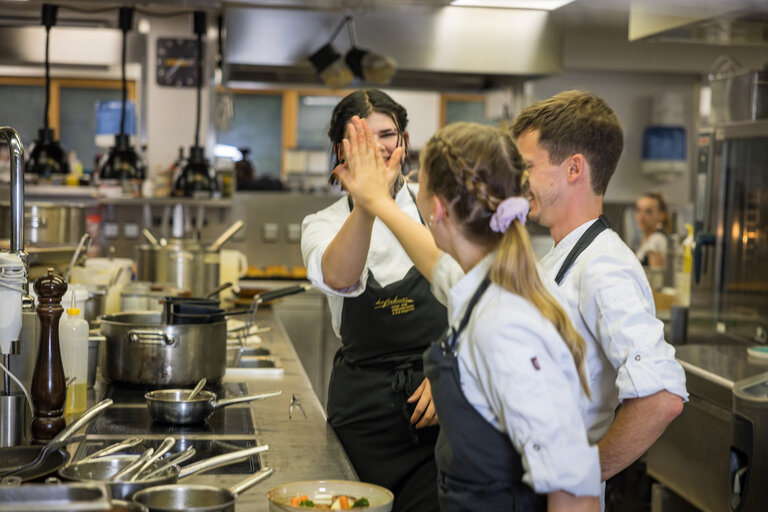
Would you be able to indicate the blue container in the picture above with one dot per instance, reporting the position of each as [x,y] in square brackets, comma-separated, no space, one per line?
[664,143]
[108,117]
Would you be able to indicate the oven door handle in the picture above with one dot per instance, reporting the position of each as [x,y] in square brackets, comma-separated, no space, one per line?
[702,239]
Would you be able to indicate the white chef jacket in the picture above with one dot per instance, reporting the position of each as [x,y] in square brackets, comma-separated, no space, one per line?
[386,258]
[519,375]
[626,353]
[656,242]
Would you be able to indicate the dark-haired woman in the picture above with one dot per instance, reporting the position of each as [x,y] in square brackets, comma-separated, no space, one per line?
[509,378]
[379,402]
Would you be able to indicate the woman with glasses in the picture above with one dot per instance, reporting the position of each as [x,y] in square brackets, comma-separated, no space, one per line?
[379,402]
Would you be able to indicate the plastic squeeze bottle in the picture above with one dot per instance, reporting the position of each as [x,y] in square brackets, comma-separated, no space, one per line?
[683,272]
[73,337]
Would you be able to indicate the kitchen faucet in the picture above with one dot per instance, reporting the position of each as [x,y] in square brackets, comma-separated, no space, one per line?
[16,152]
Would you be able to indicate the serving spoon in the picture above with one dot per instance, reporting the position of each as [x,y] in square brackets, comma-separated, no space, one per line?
[200,385]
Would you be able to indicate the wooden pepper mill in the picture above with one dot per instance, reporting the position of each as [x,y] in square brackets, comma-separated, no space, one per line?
[48,385]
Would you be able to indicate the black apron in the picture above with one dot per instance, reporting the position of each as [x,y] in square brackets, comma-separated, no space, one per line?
[384,331]
[478,467]
[597,227]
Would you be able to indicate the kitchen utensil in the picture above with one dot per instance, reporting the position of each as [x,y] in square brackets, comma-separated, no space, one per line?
[271,295]
[217,290]
[322,491]
[141,349]
[126,506]
[225,236]
[200,385]
[197,498]
[150,238]
[125,473]
[102,470]
[175,459]
[39,462]
[32,462]
[169,406]
[54,498]
[47,223]
[113,448]
[165,446]
[82,248]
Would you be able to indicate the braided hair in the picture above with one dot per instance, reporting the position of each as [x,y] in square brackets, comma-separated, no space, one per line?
[473,168]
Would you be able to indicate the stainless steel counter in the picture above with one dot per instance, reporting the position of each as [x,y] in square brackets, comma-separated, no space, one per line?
[299,448]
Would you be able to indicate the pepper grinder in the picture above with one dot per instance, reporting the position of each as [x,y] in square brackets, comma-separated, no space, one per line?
[48,384]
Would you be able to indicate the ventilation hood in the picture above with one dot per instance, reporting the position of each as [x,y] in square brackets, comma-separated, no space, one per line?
[723,22]
[437,48]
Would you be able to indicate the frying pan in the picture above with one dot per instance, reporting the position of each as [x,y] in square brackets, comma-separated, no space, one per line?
[197,498]
[17,456]
[171,406]
[102,470]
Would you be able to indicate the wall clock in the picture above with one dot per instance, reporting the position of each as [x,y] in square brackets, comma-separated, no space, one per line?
[176,62]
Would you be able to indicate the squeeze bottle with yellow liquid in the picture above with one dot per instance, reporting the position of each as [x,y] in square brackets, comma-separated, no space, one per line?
[683,270]
[73,339]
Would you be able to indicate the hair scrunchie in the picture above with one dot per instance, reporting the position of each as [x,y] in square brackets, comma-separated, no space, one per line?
[508,210]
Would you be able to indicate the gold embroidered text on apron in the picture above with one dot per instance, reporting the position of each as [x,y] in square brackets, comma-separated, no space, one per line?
[397,305]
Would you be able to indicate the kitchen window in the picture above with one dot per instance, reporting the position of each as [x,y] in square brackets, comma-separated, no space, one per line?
[258,126]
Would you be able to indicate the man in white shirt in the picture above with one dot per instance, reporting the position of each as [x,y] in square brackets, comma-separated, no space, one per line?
[571,144]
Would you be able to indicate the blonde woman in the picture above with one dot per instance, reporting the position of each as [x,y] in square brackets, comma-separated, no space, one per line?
[508,378]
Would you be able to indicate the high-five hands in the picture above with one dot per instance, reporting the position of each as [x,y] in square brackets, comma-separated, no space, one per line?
[367,178]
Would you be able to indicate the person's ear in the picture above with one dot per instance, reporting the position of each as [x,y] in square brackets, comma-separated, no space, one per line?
[440,209]
[338,150]
[577,168]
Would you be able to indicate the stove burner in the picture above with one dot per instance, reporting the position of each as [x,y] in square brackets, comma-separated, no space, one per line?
[136,421]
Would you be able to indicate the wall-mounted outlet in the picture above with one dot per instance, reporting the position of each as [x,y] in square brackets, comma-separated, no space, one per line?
[131,230]
[270,232]
[111,230]
[293,232]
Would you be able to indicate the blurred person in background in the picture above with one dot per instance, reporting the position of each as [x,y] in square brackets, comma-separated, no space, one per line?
[652,217]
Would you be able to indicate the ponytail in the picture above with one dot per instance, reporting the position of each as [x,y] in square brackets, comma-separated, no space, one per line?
[514,269]
[481,175]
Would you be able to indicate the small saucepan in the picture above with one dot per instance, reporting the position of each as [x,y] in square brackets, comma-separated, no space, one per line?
[171,406]
[197,498]
[102,470]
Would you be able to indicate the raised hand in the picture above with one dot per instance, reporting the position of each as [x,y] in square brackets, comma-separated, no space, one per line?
[365,175]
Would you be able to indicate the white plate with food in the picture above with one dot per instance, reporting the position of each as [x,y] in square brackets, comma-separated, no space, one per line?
[329,495]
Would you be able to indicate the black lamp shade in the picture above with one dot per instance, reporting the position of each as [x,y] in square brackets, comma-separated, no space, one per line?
[123,163]
[47,156]
[354,60]
[370,66]
[195,179]
[331,68]
[324,57]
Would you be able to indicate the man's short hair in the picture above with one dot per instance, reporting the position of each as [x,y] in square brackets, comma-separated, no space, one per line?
[576,122]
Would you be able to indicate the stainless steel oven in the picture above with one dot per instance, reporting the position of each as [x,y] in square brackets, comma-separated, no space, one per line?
[730,282]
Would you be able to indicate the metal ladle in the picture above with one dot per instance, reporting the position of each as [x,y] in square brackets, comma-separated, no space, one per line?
[82,247]
[200,385]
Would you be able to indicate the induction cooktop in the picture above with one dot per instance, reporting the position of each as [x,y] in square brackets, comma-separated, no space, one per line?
[204,449]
